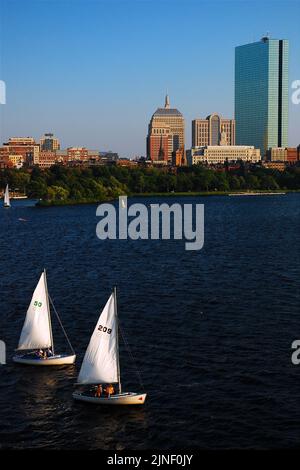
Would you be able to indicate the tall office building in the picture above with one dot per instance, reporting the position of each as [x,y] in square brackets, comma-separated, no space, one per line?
[213,130]
[261,94]
[165,133]
[49,143]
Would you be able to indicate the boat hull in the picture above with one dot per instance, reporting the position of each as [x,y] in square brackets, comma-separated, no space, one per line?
[57,360]
[118,399]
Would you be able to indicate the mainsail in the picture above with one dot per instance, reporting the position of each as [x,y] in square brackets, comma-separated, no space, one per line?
[100,363]
[36,332]
[6,197]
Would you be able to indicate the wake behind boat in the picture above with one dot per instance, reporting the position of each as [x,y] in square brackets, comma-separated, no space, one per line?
[36,346]
[101,364]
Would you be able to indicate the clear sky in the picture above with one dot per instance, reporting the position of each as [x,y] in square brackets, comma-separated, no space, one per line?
[94,71]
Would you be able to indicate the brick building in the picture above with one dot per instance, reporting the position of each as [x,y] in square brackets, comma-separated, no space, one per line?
[165,134]
[24,146]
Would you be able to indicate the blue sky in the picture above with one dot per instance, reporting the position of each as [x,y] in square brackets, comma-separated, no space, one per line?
[94,71]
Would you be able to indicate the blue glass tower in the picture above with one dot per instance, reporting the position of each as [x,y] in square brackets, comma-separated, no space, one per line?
[262,94]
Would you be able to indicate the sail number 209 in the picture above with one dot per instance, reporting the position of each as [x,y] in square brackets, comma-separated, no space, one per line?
[104,329]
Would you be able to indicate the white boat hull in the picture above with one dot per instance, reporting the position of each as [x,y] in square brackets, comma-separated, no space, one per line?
[57,360]
[118,399]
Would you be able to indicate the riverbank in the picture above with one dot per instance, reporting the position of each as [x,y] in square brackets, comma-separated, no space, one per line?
[72,202]
[216,193]
[59,186]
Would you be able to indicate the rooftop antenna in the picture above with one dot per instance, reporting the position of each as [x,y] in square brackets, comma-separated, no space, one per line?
[167,101]
[266,37]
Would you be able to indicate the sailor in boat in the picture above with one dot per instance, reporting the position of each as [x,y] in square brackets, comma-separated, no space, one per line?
[36,340]
[109,390]
[98,391]
[101,363]
[43,353]
[49,352]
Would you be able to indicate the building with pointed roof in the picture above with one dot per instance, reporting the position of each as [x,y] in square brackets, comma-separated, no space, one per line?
[165,133]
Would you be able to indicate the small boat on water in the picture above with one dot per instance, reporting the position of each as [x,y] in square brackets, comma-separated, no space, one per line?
[101,364]
[36,346]
[6,197]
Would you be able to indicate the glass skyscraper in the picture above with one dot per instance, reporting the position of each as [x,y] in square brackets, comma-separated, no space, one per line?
[262,94]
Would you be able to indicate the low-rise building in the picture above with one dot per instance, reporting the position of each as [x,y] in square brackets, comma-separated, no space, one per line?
[280,166]
[219,154]
[109,158]
[283,154]
[81,153]
[179,157]
[17,161]
[48,158]
[126,162]
[25,146]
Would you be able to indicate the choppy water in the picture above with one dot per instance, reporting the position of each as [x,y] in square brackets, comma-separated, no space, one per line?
[211,330]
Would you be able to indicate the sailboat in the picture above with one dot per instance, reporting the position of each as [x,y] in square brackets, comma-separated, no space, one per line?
[36,346]
[6,197]
[101,364]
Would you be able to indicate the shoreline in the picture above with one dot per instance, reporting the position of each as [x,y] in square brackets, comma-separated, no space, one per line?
[41,204]
[69,202]
[219,193]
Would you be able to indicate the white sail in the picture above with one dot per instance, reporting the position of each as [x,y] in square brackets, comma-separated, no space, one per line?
[6,197]
[100,363]
[36,332]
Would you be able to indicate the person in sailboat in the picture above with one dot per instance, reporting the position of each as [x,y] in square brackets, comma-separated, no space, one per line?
[36,335]
[109,390]
[49,352]
[39,353]
[98,391]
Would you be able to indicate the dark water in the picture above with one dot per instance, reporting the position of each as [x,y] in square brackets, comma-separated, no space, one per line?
[211,330]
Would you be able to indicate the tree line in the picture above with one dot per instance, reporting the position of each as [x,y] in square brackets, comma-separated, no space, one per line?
[100,183]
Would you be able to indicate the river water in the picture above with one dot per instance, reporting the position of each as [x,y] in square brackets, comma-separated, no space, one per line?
[210,330]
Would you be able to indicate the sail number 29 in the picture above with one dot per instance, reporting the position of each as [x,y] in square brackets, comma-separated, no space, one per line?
[104,329]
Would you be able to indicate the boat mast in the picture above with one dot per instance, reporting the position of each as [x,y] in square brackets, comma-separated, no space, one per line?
[49,316]
[117,339]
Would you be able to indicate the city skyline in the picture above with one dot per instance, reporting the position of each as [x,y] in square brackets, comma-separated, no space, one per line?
[98,89]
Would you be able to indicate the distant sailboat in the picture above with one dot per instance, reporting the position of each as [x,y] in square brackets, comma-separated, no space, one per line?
[36,345]
[6,197]
[101,363]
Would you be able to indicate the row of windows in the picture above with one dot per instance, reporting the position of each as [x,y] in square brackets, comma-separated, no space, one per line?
[160,131]
[222,159]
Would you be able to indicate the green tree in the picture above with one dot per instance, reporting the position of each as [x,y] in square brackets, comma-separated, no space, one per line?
[55,193]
